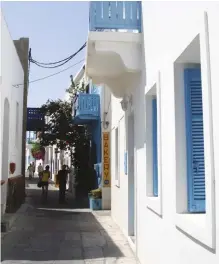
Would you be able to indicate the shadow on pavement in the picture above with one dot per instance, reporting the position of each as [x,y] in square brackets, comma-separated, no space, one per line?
[70,233]
[33,193]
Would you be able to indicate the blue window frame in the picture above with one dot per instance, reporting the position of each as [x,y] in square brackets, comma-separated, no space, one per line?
[194,140]
[155,160]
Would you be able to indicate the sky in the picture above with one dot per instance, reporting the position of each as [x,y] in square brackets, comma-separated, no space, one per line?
[56,30]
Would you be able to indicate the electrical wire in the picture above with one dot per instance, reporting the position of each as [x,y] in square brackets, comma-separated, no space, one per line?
[50,63]
[52,66]
[64,61]
[48,76]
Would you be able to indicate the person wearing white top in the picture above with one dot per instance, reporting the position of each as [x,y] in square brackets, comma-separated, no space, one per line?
[40,169]
[30,169]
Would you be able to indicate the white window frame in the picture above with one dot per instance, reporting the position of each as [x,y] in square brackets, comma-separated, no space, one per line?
[200,226]
[153,202]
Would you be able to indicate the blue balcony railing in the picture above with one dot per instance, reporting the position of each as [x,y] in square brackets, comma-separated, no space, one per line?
[124,15]
[86,107]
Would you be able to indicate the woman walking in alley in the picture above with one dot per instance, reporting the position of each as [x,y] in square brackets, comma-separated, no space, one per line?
[45,182]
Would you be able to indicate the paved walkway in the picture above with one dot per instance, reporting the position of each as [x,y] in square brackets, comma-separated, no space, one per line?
[51,234]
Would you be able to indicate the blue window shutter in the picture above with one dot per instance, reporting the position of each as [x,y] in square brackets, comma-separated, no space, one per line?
[155,169]
[194,140]
[126,163]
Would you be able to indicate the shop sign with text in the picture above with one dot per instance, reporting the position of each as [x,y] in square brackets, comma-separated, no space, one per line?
[106,160]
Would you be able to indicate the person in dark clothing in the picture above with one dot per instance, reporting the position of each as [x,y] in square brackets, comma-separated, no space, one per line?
[62,178]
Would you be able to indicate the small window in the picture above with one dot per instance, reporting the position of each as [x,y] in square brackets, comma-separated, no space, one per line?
[152,142]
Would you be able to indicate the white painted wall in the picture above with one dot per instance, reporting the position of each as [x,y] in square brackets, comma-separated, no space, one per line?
[169,27]
[105,108]
[11,74]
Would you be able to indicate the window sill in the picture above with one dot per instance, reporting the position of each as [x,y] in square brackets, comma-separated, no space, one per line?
[154,203]
[196,225]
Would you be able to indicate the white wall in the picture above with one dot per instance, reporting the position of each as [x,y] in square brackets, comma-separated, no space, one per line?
[11,74]
[164,235]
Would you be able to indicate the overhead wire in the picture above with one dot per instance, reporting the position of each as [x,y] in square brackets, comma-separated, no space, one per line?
[61,62]
[48,76]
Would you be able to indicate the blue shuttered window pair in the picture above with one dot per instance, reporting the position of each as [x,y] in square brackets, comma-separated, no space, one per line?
[194,140]
[154,140]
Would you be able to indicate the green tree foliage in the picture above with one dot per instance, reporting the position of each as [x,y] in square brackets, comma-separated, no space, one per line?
[73,90]
[62,132]
[59,127]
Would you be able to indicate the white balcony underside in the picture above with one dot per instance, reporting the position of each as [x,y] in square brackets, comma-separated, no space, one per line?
[114,58]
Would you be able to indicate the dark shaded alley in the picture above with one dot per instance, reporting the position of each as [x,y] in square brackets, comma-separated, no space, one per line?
[71,233]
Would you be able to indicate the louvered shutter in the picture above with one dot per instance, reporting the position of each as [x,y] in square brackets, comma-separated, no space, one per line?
[194,140]
[155,169]
[126,163]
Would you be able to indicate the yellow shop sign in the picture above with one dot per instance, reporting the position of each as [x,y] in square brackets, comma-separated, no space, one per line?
[106,160]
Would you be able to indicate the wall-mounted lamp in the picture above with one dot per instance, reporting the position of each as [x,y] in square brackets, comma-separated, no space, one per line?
[105,124]
[126,101]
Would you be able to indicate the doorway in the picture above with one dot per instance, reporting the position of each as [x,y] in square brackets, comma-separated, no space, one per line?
[5,153]
[131,179]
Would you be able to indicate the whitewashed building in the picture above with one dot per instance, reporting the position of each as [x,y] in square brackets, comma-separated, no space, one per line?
[164,128]
[11,105]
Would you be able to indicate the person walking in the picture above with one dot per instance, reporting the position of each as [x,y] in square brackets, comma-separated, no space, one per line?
[34,168]
[62,178]
[45,182]
[30,170]
[40,170]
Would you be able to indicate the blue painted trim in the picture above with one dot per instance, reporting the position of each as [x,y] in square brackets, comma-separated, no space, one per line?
[155,161]
[87,108]
[126,162]
[115,15]
[191,75]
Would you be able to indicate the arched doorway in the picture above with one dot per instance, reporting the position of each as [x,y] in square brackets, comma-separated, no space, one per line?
[5,151]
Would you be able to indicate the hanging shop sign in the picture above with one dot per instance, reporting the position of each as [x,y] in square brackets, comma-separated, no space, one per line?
[106,160]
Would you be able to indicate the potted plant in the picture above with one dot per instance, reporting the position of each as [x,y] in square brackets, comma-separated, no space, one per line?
[37,151]
[95,199]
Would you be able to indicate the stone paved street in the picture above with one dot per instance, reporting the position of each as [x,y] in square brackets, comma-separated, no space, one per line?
[50,233]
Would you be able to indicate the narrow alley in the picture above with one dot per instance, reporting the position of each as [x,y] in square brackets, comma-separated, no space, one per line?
[50,233]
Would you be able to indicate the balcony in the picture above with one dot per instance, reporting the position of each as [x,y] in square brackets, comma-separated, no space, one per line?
[86,108]
[114,44]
